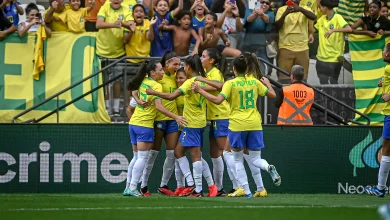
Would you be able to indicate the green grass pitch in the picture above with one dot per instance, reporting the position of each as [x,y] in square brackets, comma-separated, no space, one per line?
[116,206]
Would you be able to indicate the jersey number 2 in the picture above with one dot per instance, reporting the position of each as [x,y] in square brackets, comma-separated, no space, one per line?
[246,100]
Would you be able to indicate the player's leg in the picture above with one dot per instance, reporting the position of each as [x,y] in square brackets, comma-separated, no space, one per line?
[171,137]
[180,180]
[384,168]
[218,139]
[133,140]
[237,142]
[254,144]
[153,153]
[256,174]
[145,139]
[180,154]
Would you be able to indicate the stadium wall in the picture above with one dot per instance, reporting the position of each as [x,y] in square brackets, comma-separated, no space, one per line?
[93,158]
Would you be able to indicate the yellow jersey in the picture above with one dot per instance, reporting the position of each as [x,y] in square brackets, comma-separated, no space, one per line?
[180,105]
[145,116]
[242,94]
[294,34]
[139,45]
[126,3]
[57,25]
[329,49]
[74,20]
[216,112]
[195,110]
[386,89]
[168,84]
[312,4]
[109,42]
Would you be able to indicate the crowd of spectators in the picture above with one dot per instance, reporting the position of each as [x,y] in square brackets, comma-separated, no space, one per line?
[152,27]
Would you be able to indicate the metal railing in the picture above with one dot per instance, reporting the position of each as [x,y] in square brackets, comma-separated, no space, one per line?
[124,75]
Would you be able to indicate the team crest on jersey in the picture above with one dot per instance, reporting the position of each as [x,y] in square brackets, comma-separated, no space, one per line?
[377,25]
[331,26]
[81,19]
[121,17]
[131,7]
[308,4]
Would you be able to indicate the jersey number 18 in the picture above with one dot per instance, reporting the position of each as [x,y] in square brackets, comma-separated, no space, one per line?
[246,100]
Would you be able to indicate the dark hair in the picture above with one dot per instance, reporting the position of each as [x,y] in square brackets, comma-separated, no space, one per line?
[195,64]
[218,7]
[240,63]
[253,65]
[378,3]
[180,15]
[146,68]
[220,60]
[330,4]
[215,17]
[138,5]
[162,0]
[385,6]
[181,70]
[31,7]
[167,56]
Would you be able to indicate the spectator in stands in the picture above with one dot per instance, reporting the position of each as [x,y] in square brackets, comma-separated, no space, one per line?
[53,12]
[109,42]
[292,22]
[331,28]
[163,40]
[351,10]
[258,24]
[137,38]
[295,101]
[6,27]
[12,10]
[90,21]
[372,23]
[199,10]
[129,4]
[230,19]
[75,18]
[384,11]
[312,4]
[34,20]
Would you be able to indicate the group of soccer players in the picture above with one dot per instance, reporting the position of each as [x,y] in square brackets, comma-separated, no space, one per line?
[174,104]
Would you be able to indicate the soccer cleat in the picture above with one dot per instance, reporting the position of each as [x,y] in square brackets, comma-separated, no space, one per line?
[135,193]
[375,191]
[248,195]
[213,191]
[165,191]
[221,193]
[384,211]
[145,192]
[195,194]
[187,191]
[262,193]
[238,193]
[274,175]
[231,191]
[126,192]
[178,191]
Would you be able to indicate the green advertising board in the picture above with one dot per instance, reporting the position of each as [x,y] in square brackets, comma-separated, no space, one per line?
[93,158]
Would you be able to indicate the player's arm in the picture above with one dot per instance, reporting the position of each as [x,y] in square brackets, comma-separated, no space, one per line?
[197,38]
[214,84]
[143,103]
[167,96]
[271,92]
[214,99]
[160,107]
[178,9]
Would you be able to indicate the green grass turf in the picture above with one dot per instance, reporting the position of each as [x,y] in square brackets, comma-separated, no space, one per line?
[116,206]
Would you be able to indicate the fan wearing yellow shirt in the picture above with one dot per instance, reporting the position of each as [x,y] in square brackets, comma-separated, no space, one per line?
[138,37]
[191,137]
[141,124]
[331,28]
[51,15]
[214,64]
[244,121]
[74,18]
[129,4]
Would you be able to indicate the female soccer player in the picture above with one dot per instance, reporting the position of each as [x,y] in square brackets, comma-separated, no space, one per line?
[141,124]
[192,135]
[244,122]
[165,127]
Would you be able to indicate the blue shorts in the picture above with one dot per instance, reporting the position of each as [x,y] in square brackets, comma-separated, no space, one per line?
[252,140]
[219,128]
[386,128]
[141,134]
[168,126]
[191,137]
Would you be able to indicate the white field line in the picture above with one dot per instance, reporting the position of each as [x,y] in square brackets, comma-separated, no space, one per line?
[182,207]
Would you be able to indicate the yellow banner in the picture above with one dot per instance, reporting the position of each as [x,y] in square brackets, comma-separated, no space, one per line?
[68,59]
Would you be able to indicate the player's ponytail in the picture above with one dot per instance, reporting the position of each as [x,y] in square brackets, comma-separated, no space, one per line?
[253,65]
[240,64]
[219,60]
[146,68]
[195,64]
